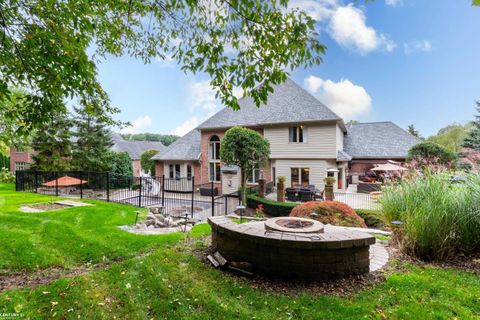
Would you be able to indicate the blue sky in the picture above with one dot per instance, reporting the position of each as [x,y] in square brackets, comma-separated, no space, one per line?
[410,61]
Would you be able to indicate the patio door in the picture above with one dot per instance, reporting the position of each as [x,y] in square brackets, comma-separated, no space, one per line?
[300,177]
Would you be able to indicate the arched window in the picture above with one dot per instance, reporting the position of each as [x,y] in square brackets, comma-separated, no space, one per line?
[214,158]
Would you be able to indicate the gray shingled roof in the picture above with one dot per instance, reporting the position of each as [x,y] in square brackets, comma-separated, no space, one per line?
[378,140]
[343,156]
[135,149]
[185,148]
[288,103]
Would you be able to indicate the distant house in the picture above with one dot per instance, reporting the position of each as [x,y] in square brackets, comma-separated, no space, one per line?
[21,159]
[135,149]
[308,141]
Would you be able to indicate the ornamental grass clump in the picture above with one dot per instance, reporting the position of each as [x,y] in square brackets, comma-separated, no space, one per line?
[436,218]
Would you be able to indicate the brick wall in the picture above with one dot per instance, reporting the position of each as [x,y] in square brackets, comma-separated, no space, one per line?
[19,157]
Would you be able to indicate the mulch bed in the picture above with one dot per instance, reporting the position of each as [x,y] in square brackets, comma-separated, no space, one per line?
[347,286]
[339,287]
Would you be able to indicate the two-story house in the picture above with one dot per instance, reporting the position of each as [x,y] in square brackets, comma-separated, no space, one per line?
[308,141]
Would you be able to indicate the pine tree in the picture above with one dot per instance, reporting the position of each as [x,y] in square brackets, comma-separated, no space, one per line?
[53,144]
[91,152]
[413,131]
[472,140]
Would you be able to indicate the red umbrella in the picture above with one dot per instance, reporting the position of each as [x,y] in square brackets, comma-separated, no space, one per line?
[65,181]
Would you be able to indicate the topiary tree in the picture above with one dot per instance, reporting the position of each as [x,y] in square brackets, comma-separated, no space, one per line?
[146,162]
[246,149]
[431,151]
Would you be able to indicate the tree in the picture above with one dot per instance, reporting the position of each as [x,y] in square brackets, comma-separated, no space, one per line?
[91,152]
[430,150]
[237,43]
[472,140]
[148,165]
[413,131]
[165,139]
[452,136]
[246,149]
[53,144]
[121,172]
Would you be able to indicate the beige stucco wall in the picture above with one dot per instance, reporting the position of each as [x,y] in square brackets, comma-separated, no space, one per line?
[321,143]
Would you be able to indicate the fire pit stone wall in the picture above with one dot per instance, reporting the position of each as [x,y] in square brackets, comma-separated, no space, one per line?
[326,255]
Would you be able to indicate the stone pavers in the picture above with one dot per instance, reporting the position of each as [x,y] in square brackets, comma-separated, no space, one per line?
[378,257]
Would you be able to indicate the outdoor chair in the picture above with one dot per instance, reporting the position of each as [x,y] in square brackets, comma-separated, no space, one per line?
[311,187]
[306,195]
[291,194]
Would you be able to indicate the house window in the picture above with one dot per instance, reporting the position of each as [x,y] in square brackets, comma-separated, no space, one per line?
[177,171]
[300,177]
[189,172]
[19,166]
[297,134]
[214,158]
[19,149]
[254,176]
[171,171]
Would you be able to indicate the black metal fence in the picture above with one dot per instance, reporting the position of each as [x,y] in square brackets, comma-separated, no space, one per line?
[177,196]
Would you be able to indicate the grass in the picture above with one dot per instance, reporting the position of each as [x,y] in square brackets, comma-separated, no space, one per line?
[172,283]
[65,238]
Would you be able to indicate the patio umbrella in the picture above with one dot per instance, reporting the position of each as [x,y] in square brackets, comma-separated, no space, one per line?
[65,181]
[388,167]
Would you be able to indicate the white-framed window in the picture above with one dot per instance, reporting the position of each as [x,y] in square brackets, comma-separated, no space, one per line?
[254,176]
[174,171]
[189,172]
[300,177]
[214,159]
[297,134]
[19,166]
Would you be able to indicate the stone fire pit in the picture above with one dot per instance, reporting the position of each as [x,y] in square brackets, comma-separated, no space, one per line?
[293,247]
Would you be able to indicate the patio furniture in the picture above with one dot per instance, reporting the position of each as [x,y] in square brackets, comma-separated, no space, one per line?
[207,191]
[305,195]
[291,194]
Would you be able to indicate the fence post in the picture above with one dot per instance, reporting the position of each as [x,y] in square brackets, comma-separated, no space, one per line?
[56,183]
[226,204]
[108,186]
[36,181]
[16,181]
[81,184]
[140,192]
[213,200]
[193,194]
[163,190]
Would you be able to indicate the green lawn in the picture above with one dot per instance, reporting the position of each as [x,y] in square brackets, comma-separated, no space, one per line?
[171,283]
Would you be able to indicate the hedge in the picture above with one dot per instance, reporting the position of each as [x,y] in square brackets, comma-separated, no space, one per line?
[270,207]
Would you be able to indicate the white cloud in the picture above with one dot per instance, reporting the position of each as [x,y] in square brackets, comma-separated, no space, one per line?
[201,96]
[344,98]
[348,27]
[313,83]
[319,10]
[185,127]
[415,46]
[139,125]
[394,3]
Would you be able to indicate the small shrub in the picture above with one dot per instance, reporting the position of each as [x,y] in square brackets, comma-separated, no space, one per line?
[6,176]
[372,218]
[329,212]
[270,207]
